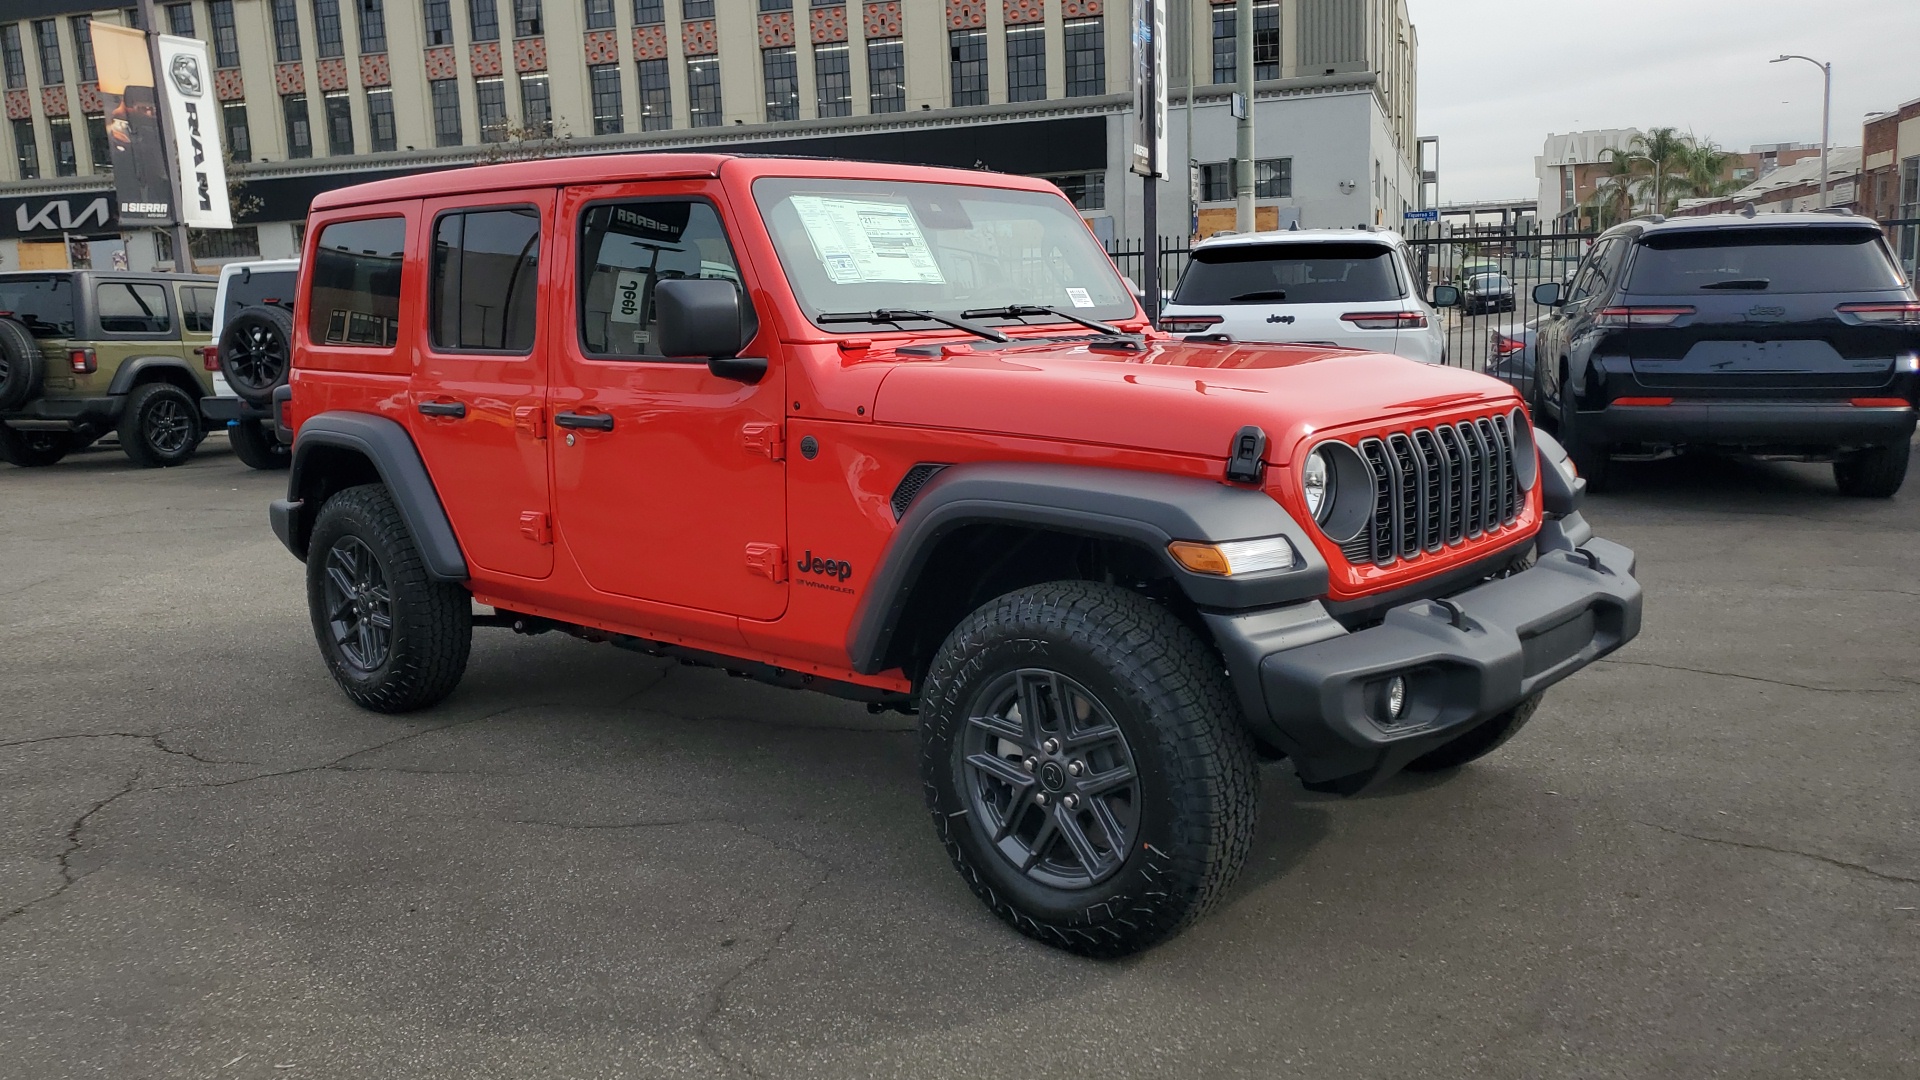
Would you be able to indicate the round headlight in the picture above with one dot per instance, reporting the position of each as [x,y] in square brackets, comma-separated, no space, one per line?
[1317,480]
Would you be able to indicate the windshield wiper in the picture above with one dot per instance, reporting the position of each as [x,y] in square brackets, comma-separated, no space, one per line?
[1754,283]
[894,315]
[1017,311]
[1263,294]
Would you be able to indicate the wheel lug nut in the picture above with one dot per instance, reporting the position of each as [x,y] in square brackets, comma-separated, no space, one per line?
[1051,746]
[1071,802]
[1075,768]
[1030,764]
[1040,797]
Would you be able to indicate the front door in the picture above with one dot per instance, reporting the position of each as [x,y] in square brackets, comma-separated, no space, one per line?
[668,480]
[479,380]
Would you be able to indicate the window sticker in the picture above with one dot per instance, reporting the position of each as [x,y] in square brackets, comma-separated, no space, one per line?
[860,240]
[1079,297]
[626,297]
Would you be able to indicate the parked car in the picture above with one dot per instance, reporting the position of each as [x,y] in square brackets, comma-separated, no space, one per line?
[1487,293]
[1345,287]
[1510,354]
[1779,334]
[84,353]
[818,423]
[252,356]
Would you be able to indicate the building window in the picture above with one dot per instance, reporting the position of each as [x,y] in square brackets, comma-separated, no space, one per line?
[327,40]
[66,156]
[286,31]
[526,18]
[381,131]
[134,18]
[226,39]
[26,155]
[967,53]
[299,134]
[776,5]
[83,46]
[536,106]
[491,97]
[446,111]
[1026,63]
[1273,178]
[1087,191]
[703,90]
[1216,182]
[604,81]
[1266,43]
[180,20]
[832,80]
[656,96]
[47,33]
[483,19]
[373,26]
[233,116]
[1086,57]
[13,59]
[696,9]
[339,114]
[886,76]
[599,14]
[780,71]
[439,21]
[98,148]
[649,12]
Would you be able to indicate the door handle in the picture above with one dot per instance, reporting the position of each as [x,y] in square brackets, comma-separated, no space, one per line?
[595,421]
[455,409]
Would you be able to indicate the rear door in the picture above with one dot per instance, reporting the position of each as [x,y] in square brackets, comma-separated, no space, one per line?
[137,319]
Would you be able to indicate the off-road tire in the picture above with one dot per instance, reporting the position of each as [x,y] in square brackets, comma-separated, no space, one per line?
[22,368]
[430,622]
[1589,457]
[257,447]
[1479,742]
[33,449]
[161,426]
[1198,785]
[256,350]
[1874,473]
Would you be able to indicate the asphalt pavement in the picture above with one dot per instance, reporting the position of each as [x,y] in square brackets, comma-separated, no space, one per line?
[1702,859]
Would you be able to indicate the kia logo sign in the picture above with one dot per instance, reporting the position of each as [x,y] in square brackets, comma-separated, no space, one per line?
[185,73]
[51,217]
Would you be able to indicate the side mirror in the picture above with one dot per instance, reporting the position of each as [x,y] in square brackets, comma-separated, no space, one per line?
[1547,294]
[1446,296]
[699,318]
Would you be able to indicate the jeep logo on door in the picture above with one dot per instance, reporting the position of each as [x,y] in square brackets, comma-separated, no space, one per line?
[185,73]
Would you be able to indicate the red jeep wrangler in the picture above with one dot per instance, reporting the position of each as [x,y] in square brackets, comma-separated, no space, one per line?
[903,435]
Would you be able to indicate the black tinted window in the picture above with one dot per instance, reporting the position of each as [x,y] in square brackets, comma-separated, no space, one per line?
[41,302]
[1777,259]
[1330,273]
[628,248]
[128,307]
[196,308]
[486,271]
[356,283]
[255,288]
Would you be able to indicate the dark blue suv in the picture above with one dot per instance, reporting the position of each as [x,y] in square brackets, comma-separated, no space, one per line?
[1782,334]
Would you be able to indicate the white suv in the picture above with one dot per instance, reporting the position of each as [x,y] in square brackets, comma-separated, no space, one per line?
[252,344]
[1346,287]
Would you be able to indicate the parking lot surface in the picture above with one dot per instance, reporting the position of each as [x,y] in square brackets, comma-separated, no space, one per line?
[1702,858]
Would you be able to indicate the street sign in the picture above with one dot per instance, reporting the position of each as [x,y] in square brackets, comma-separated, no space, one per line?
[1422,215]
[1237,107]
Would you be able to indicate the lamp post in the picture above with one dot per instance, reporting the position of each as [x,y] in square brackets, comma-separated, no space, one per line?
[1826,114]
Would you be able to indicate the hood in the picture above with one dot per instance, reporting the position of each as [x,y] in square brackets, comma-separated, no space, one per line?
[1170,395]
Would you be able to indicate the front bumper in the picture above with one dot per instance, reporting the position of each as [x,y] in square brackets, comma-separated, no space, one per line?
[1755,424]
[1314,689]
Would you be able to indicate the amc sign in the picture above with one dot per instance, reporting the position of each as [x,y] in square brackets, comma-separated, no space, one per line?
[47,217]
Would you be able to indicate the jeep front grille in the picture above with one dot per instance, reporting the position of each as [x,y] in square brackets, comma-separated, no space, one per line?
[1437,486]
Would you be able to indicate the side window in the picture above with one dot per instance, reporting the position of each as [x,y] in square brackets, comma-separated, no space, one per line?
[355,291]
[485,283]
[1584,281]
[196,309]
[626,250]
[1607,267]
[131,307]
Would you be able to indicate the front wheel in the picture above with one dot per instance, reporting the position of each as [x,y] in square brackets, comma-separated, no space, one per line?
[1874,473]
[1086,767]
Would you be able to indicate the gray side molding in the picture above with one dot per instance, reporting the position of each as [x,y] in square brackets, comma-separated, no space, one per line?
[391,449]
[1147,509]
[130,370]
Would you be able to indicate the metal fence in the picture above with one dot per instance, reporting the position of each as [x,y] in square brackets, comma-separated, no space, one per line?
[1130,256]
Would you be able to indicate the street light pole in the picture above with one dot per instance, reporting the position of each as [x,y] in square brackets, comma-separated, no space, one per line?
[1826,115]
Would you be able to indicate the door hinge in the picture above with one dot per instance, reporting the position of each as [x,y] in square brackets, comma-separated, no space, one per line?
[767,560]
[535,527]
[764,438]
[531,419]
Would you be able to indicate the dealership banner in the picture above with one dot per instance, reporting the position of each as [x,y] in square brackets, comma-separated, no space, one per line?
[199,164]
[139,151]
[1149,36]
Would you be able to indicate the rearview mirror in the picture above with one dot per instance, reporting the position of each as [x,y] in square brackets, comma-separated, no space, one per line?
[699,318]
[1446,296]
[1547,294]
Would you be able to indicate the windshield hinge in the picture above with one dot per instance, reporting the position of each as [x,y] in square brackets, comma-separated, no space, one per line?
[1245,456]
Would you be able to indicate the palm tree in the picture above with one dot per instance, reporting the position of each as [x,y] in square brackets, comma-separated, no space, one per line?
[1707,171]
[1666,158]
[1613,198]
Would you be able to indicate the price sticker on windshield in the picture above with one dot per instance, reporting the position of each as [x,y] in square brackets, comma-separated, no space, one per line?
[860,240]
[1079,297]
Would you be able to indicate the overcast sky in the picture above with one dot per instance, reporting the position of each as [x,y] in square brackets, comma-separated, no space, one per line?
[1496,76]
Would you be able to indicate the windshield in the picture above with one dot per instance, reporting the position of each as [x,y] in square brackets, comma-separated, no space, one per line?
[43,303]
[1776,259]
[1489,282]
[1298,273]
[864,245]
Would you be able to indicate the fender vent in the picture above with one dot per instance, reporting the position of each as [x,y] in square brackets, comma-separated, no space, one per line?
[910,486]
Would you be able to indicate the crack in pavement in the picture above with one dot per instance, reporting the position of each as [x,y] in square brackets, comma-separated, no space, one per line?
[339,764]
[67,877]
[1752,678]
[626,824]
[154,739]
[1815,856]
[717,997]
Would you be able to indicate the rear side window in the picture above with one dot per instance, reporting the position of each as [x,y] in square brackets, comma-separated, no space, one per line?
[132,307]
[486,273]
[254,288]
[355,284]
[196,308]
[1308,273]
[43,303]
[626,249]
[1779,259]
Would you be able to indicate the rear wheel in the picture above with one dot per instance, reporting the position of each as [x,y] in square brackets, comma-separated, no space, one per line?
[1874,473]
[33,449]
[255,352]
[160,427]
[257,447]
[1589,457]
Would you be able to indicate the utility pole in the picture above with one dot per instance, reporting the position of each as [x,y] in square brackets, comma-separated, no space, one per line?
[1150,193]
[1826,115]
[1193,207]
[149,22]
[1243,126]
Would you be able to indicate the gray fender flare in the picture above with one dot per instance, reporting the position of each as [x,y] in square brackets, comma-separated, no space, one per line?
[1147,509]
[388,446]
[131,370]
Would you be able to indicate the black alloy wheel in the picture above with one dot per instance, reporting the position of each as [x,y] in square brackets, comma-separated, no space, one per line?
[161,425]
[168,426]
[255,353]
[1049,778]
[359,606]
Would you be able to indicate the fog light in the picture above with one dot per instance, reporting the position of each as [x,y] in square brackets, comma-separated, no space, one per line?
[1396,697]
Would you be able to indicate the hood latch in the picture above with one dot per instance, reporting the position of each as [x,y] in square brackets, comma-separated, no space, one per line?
[1246,456]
